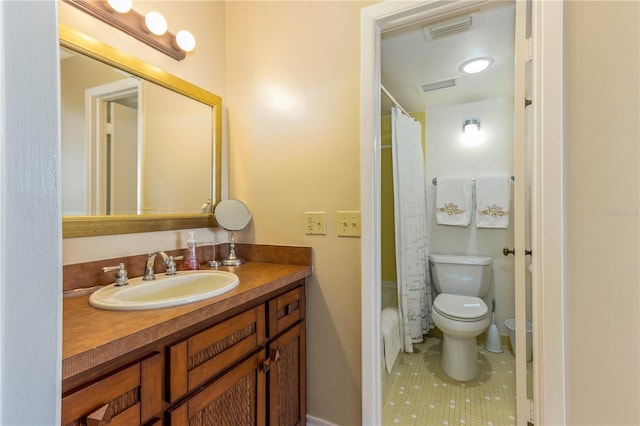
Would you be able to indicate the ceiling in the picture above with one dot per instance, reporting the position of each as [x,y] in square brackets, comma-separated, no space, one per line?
[410,61]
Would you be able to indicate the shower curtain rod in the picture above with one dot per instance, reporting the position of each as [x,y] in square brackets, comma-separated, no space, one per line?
[386,92]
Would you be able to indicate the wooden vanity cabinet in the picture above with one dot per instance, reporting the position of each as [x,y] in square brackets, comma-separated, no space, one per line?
[267,387]
[245,370]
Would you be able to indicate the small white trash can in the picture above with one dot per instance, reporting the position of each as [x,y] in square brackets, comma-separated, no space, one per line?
[511,326]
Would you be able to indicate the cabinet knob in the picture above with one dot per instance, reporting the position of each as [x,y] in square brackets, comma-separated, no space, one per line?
[289,309]
[100,417]
[265,365]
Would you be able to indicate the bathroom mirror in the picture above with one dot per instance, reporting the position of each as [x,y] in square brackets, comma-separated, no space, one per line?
[114,195]
[232,216]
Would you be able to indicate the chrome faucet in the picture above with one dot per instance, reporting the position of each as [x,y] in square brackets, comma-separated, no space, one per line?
[169,262]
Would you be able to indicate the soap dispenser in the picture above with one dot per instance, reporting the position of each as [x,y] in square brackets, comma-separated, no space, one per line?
[191,259]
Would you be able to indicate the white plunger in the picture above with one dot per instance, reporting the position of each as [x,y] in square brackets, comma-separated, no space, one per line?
[493,343]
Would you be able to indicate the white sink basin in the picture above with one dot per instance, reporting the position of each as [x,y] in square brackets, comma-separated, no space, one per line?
[165,290]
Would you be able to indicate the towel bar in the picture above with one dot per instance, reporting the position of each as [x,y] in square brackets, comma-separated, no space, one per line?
[435,180]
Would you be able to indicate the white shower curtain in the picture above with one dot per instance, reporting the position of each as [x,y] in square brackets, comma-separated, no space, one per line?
[412,245]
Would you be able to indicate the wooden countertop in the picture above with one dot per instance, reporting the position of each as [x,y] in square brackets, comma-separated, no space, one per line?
[92,337]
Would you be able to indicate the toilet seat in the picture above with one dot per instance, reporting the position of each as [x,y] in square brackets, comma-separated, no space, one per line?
[460,308]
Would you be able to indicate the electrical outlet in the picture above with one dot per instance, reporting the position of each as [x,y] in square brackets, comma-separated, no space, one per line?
[348,224]
[314,223]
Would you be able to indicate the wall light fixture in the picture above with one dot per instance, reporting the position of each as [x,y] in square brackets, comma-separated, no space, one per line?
[471,126]
[471,135]
[150,29]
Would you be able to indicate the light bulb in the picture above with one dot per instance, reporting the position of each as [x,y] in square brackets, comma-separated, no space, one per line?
[121,6]
[155,23]
[185,40]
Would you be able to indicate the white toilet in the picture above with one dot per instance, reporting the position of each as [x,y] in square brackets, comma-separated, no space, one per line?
[458,310]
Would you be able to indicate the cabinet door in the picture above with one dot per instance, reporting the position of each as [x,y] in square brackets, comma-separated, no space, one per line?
[130,396]
[287,378]
[236,398]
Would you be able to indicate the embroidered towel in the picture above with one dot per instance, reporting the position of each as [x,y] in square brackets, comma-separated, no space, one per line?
[390,327]
[492,201]
[453,200]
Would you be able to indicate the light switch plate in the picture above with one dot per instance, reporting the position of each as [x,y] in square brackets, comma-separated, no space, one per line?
[314,223]
[348,224]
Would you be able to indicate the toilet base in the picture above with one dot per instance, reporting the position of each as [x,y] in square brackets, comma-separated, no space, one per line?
[459,358]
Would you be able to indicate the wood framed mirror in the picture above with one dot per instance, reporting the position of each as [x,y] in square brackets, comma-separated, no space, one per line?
[95,222]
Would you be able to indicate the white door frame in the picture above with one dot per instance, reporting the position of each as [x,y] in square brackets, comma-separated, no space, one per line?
[95,137]
[547,198]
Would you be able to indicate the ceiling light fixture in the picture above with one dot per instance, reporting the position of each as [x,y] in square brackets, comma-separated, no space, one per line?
[150,29]
[475,65]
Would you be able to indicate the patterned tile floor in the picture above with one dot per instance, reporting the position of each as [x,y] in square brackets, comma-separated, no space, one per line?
[422,394]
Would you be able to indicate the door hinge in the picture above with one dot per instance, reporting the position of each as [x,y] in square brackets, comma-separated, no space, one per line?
[531,411]
[525,49]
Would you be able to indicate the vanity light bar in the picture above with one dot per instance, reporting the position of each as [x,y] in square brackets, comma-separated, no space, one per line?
[131,23]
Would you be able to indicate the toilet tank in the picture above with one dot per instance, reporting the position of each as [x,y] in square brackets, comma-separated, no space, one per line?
[462,275]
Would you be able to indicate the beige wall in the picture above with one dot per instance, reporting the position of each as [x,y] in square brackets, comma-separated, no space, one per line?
[293,98]
[602,93]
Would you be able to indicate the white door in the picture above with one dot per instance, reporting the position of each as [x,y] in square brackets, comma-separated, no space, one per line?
[520,214]
[123,160]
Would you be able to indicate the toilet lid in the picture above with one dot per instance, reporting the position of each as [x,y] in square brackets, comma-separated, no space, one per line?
[461,308]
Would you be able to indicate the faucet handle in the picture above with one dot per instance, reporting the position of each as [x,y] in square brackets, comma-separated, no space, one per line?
[121,274]
[171,265]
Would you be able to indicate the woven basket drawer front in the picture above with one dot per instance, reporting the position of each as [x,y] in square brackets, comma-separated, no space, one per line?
[128,397]
[286,310]
[198,359]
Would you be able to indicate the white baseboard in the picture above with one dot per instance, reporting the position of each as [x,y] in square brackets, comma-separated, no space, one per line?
[314,421]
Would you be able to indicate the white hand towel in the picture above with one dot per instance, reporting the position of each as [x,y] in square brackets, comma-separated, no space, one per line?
[453,201]
[390,327]
[493,201]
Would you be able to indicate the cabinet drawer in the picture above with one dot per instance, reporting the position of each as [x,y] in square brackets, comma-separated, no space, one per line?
[201,357]
[286,310]
[130,396]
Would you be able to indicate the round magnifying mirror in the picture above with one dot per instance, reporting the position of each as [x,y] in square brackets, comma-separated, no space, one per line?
[232,215]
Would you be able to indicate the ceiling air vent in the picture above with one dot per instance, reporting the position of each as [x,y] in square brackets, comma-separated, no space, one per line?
[442,84]
[447,28]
